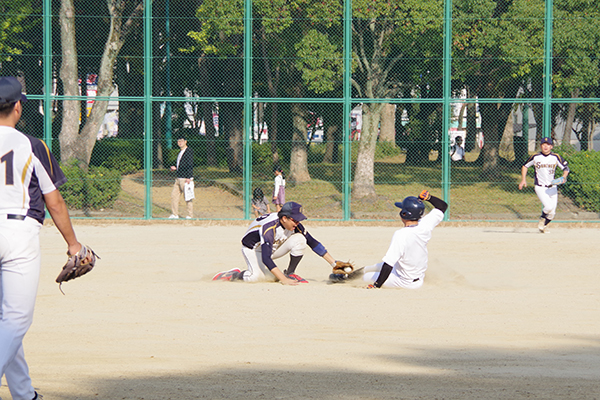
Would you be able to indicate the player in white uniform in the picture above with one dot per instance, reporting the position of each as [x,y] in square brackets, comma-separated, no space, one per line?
[270,237]
[545,164]
[405,262]
[29,178]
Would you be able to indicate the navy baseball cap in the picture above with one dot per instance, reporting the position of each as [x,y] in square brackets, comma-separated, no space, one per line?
[547,140]
[10,90]
[292,210]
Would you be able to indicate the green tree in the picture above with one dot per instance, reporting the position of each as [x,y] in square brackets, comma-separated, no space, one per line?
[498,49]
[78,143]
[389,38]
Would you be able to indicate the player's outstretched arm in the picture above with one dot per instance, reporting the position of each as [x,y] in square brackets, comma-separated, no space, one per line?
[385,272]
[523,182]
[60,215]
[435,201]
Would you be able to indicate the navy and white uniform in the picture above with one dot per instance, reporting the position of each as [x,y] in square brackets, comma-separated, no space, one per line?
[545,167]
[266,239]
[28,171]
[407,254]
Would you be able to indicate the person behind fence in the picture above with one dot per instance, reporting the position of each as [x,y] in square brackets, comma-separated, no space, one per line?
[260,204]
[184,180]
[270,237]
[29,182]
[457,152]
[405,262]
[545,163]
[279,190]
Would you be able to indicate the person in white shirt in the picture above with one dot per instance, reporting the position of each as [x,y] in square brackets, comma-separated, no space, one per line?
[405,262]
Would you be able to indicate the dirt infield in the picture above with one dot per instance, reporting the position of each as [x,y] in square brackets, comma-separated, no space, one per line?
[505,312]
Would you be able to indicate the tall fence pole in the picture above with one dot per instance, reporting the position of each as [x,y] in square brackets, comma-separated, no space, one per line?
[148,108]
[48,73]
[346,144]
[446,111]
[548,28]
[247,175]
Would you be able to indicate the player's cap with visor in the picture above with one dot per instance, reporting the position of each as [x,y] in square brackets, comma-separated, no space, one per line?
[412,208]
[547,140]
[10,90]
[292,210]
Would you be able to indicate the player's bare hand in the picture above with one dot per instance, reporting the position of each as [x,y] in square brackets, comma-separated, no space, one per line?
[522,185]
[288,281]
[74,249]
[173,168]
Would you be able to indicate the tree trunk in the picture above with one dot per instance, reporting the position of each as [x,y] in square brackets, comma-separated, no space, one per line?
[80,146]
[207,109]
[387,131]
[568,131]
[364,176]
[299,155]
[231,116]
[69,133]
[493,117]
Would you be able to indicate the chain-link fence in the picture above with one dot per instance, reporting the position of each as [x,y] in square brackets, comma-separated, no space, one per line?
[360,102]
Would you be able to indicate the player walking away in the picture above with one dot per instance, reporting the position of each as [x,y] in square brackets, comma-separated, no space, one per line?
[545,163]
[270,237]
[405,262]
[29,178]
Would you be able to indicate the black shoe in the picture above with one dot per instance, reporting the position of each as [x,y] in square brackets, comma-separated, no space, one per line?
[338,278]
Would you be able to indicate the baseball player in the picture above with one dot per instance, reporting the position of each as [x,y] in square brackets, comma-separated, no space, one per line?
[405,262]
[29,178]
[270,237]
[545,163]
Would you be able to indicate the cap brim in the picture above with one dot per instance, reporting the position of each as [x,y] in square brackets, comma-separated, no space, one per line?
[299,217]
[23,98]
[399,204]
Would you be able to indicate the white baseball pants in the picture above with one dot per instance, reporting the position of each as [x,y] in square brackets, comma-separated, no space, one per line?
[549,198]
[20,260]
[393,281]
[257,271]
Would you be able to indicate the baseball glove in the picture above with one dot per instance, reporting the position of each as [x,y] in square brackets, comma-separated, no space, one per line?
[558,181]
[77,265]
[343,267]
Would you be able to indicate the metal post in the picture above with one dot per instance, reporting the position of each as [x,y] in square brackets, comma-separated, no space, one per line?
[548,68]
[168,111]
[446,110]
[48,73]
[346,144]
[148,108]
[247,106]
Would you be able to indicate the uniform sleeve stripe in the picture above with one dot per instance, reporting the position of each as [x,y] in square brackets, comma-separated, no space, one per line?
[24,176]
[48,154]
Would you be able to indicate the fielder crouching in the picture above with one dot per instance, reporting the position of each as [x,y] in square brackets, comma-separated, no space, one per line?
[405,262]
[272,236]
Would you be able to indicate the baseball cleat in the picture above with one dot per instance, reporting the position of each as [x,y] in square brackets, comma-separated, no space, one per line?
[542,225]
[297,278]
[226,275]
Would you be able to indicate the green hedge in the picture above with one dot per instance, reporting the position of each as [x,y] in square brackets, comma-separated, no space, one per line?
[583,182]
[96,189]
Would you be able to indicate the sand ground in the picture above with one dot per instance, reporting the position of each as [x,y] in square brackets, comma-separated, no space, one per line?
[505,313]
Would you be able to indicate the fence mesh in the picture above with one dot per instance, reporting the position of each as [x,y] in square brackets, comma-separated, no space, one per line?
[359,113]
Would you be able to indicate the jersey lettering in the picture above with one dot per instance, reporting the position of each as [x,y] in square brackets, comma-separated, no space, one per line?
[8,173]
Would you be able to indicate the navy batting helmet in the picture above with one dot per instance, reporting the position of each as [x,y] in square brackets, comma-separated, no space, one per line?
[412,208]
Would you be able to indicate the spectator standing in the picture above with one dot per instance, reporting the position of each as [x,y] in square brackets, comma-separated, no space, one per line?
[185,172]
